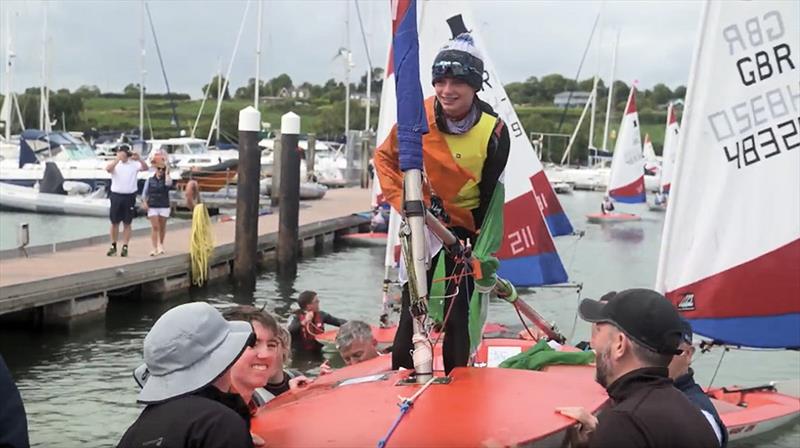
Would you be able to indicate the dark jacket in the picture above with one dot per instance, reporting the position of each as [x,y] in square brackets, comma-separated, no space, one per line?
[301,339]
[648,411]
[13,424]
[206,419]
[283,386]
[157,192]
[695,394]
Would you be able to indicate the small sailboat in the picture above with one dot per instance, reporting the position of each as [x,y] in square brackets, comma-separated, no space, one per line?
[667,160]
[731,269]
[626,184]
[472,406]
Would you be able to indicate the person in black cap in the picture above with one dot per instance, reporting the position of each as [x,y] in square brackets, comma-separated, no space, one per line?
[683,376]
[635,335]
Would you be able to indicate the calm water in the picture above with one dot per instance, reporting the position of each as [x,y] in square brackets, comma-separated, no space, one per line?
[78,389]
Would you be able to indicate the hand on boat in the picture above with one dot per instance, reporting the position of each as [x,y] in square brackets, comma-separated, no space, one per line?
[587,422]
[257,441]
[299,382]
[325,369]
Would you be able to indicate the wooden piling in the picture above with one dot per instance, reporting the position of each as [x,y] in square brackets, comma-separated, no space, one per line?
[249,173]
[289,196]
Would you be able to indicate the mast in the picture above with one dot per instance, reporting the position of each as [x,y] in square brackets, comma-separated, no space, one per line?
[44,112]
[348,60]
[610,99]
[8,98]
[141,71]
[219,101]
[258,59]
[369,65]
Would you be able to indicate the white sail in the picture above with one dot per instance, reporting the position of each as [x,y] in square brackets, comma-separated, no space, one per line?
[731,244]
[670,150]
[626,183]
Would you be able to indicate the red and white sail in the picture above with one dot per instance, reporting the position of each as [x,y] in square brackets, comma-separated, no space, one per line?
[730,253]
[670,150]
[626,183]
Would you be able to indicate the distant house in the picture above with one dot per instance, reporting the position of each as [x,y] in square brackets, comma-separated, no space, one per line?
[575,99]
[362,99]
[294,92]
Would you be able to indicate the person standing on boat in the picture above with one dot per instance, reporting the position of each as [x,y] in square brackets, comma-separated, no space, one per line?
[124,169]
[683,376]
[465,152]
[635,335]
[186,380]
[308,322]
[155,200]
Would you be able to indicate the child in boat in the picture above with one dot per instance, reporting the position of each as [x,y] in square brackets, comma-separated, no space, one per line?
[155,201]
[607,205]
[308,322]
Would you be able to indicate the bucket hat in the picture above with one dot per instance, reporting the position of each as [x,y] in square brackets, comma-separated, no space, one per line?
[188,347]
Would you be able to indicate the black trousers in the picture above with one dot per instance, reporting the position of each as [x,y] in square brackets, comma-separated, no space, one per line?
[456,337]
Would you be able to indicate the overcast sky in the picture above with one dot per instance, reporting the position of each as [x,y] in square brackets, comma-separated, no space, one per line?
[97,42]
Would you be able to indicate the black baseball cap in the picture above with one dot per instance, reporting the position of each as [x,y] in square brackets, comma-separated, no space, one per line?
[644,315]
[125,148]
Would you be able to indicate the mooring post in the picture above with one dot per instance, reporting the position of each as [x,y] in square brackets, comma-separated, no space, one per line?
[289,196]
[310,152]
[249,172]
[365,146]
[276,170]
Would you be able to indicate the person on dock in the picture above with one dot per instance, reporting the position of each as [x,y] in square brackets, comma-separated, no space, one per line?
[13,422]
[379,221]
[124,170]
[188,356]
[465,152]
[683,376]
[263,364]
[155,200]
[308,322]
[635,335]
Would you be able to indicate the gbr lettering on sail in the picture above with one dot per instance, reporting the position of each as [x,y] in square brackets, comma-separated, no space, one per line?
[766,122]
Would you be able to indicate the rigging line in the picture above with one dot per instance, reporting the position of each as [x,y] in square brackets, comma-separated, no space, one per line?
[363,34]
[718,366]
[575,317]
[163,70]
[578,74]
[453,297]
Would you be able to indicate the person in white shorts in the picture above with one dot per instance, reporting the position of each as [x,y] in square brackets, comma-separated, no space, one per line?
[155,197]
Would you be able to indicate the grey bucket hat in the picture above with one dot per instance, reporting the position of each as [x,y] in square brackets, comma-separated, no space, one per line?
[188,348]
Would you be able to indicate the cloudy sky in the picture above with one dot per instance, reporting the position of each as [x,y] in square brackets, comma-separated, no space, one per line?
[97,42]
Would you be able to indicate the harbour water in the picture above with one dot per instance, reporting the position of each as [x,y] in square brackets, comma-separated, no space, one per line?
[78,389]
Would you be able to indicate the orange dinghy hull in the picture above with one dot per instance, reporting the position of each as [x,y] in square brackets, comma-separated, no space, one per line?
[475,407]
[597,218]
[748,412]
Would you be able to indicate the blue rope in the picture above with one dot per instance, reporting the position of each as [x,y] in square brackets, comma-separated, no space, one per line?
[404,407]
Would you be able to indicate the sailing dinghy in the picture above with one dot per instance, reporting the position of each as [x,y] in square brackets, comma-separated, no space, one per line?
[472,406]
[667,159]
[731,244]
[626,184]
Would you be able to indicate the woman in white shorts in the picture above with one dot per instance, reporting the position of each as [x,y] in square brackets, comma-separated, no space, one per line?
[155,197]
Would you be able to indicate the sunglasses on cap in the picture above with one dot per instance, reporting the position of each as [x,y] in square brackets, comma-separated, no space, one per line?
[452,68]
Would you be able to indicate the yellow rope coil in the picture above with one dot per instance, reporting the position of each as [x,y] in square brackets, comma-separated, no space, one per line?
[202,244]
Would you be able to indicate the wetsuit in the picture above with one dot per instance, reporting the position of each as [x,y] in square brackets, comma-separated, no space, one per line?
[282,386]
[301,339]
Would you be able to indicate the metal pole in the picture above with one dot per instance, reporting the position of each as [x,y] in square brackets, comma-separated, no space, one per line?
[610,93]
[365,161]
[289,196]
[258,58]
[141,73]
[249,171]
[310,154]
[277,162]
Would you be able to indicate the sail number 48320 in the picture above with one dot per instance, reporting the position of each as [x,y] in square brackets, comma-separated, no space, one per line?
[763,144]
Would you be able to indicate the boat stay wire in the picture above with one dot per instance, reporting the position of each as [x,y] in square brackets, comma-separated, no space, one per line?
[174,120]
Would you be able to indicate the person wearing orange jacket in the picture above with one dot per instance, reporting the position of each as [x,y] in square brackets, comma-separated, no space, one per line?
[464,154]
